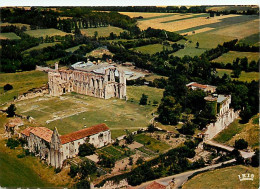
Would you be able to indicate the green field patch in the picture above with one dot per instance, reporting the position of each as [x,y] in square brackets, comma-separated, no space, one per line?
[44,32]
[10,35]
[146,151]
[224,178]
[190,51]
[156,17]
[102,31]
[20,25]
[116,152]
[193,16]
[245,76]
[72,49]
[151,143]
[21,82]
[41,46]
[251,40]
[151,49]
[155,76]
[230,56]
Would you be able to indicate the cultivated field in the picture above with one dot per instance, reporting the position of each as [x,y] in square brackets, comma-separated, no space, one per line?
[41,46]
[151,49]
[9,35]
[229,8]
[44,32]
[87,111]
[102,31]
[21,82]
[147,14]
[15,24]
[224,178]
[245,76]
[251,40]
[236,130]
[232,55]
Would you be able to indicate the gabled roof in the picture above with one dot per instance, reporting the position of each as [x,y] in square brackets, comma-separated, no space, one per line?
[26,131]
[41,132]
[155,185]
[194,84]
[83,133]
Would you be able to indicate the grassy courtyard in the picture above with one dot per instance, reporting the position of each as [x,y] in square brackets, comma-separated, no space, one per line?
[224,178]
[21,82]
[87,111]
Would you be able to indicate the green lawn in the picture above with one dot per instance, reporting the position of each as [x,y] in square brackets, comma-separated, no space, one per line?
[21,82]
[87,111]
[232,55]
[41,46]
[44,32]
[102,31]
[224,178]
[236,130]
[245,76]
[9,35]
[151,49]
[155,145]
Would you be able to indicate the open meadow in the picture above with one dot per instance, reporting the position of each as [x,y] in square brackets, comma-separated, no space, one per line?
[44,32]
[41,46]
[21,82]
[232,55]
[87,111]
[248,132]
[10,35]
[245,76]
[102,31]
[151,49]
[224,178]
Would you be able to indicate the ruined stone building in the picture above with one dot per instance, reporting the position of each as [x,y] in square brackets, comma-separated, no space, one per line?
[205,88]
[55,148]
[99,80]
[12,126]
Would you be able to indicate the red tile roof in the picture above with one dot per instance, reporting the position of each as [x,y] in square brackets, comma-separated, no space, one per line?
[26,131]
[14,122]
[43,133]
[83,133]
[155,185]
[199,85]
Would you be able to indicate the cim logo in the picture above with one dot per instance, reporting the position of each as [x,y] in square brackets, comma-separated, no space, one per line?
[247,176]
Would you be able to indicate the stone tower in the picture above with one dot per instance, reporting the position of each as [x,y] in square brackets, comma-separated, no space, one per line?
[55,156]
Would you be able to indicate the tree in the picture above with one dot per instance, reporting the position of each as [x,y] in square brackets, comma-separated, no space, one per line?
[96,35]
[241,144]
[106,161]
[86,149]
[169,111]
[143,100]
[188,129]
[87,168]
[129,137]
[11,110]
[197,45]
[12,143]
[245,114]
[83,184]
[8,87]
[255,159]
[74,169]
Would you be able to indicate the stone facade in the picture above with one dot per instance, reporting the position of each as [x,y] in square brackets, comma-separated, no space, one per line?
[101,84]
[53,148]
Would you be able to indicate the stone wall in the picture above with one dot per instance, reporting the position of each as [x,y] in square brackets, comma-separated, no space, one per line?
[113,185]
[33,93]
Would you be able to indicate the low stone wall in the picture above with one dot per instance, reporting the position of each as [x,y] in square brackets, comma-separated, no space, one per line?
[114,185]
[222,122]
[43,69]
[33,93]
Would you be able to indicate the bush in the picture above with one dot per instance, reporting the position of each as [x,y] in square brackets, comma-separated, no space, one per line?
[57,170]
[8,87]
[106,161]
[83,184]
[74,169]
[11,110]
[241,144]
[12,143]
[255,159]
[86,149]
[22,155]
[143,100]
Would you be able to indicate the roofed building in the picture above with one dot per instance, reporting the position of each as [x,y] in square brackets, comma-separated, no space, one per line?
[55,148]
[205,88]
[12,125]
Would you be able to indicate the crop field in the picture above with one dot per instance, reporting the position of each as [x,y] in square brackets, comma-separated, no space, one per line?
[151,143]
[151,49]
[41,46]
[245,76]
[224,178]
[236,130]
[21,82]
[15,24]
[232,55]
[251,40]
[190,51]
[102,31]
[228,8]
[9,35]
[87,111]
[146,15]
[44,32]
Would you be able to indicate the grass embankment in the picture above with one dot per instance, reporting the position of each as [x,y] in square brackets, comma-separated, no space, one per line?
[224,178]
[245,76]
[21,82]
[249,132]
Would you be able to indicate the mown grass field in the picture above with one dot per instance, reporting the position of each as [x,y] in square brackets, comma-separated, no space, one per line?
[102,31]
[232,55]
[44,32]
[72,49]
[151,49]
[151,143]
[87,111]
[21,82]
[236,130]
[224,178]
[41,46]
[245,76]
[190,51]
[251,40]
[10,35]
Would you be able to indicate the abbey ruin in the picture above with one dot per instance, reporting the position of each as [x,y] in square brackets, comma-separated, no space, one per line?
[100,80]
